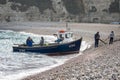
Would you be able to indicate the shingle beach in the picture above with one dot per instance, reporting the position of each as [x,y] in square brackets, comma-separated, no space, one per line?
[102,63]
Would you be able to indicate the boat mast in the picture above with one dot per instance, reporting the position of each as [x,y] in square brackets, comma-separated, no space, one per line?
[67,28]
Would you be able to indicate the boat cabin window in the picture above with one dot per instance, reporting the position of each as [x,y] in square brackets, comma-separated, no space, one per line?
[68,35]
[65,35]
[61,36]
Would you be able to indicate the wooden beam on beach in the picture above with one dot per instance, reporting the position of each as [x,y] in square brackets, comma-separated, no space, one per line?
[103,41]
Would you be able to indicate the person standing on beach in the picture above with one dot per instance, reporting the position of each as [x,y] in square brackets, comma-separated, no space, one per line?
[96,37]
[111,37]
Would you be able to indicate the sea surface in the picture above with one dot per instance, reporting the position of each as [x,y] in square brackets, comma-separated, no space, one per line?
[16,65]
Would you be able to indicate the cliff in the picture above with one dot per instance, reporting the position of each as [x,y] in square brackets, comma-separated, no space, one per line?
[104,11]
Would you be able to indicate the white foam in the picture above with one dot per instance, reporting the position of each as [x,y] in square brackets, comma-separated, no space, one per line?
[28,73]
[84,46]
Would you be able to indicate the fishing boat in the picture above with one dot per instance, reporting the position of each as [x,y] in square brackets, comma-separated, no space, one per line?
[67,46]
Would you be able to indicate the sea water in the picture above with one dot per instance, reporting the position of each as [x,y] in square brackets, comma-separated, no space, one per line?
[15,65]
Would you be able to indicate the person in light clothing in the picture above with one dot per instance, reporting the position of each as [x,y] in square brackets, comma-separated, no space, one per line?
[111,37]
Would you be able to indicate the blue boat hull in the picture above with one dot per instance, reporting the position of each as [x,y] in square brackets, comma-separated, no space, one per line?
[64,48]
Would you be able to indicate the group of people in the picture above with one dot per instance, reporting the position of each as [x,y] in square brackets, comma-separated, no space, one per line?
[97,38]
[29,41]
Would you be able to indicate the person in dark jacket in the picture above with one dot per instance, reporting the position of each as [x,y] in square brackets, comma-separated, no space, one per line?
[96,37]
[111,37]
[29,41]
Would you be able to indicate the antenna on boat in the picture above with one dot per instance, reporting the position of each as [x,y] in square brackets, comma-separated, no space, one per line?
[67,28]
